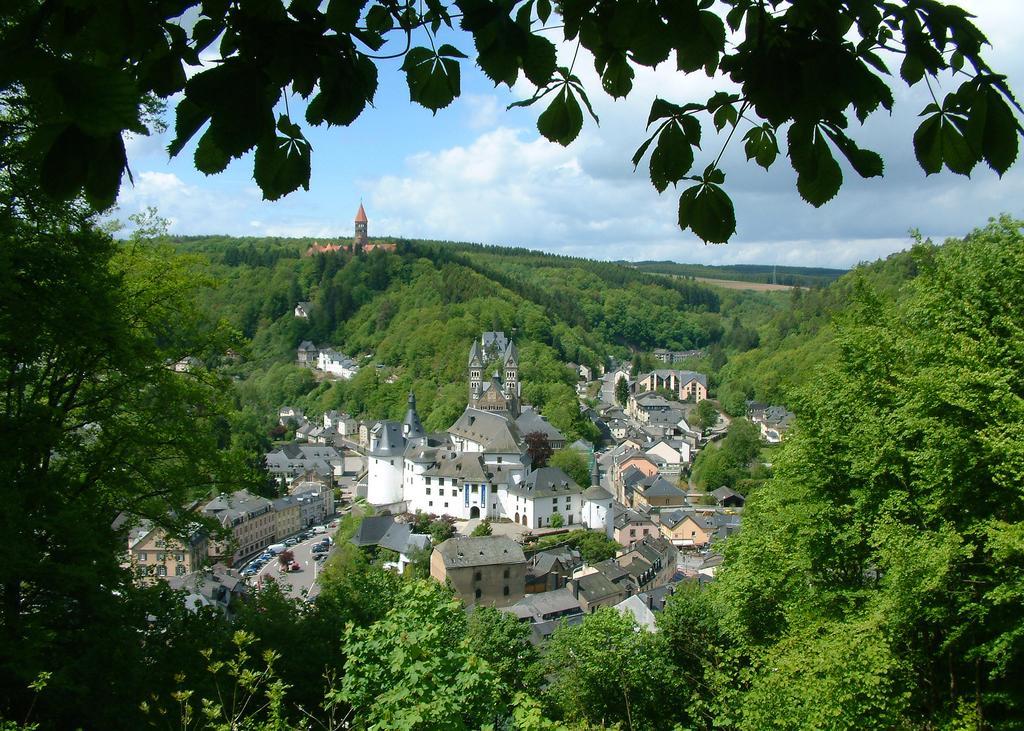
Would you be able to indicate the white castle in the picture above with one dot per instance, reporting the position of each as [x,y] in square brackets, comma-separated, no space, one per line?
[480,468]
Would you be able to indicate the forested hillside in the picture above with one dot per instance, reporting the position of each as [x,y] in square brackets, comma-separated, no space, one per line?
[794,276]
[409,317]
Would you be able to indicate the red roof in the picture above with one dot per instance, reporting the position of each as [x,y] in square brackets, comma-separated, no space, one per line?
[361,216]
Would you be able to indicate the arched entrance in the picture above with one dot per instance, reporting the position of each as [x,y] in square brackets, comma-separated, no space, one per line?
[516,520]
[474,512]
[524,519]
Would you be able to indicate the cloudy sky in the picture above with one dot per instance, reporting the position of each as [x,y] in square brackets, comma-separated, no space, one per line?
[478,172]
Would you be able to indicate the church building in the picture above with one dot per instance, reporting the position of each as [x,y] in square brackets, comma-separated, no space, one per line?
[480,468]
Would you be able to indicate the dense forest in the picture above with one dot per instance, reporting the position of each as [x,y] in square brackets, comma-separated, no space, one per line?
[767,274]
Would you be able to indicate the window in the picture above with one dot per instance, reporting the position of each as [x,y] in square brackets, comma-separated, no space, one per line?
[428,490]
[142,557]
[474,489]
[441,493]
[179,570]
[505,592]
[476,576]
[179,557]
[499,460]
[477,593]
[160,556]
[446,504]
[430,503]
[506,573]
[632,532]
[428,481]
[161,571]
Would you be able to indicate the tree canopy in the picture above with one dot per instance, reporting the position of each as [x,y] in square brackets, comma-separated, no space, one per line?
[798,70]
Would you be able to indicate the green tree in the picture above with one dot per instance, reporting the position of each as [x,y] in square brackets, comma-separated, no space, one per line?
[707,415]
[557,521]
[482,529]
[504,642]
[572,463]
[95,425]
[865,546]
[604,671]
[416,669]
[622,391]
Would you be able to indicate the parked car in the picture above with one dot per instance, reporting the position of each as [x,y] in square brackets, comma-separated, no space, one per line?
[317,529]
[290,542]
[277,548]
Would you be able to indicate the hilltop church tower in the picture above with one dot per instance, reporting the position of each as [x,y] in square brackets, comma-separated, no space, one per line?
[360,239]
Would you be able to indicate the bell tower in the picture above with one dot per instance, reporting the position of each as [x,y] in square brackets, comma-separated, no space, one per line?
[360,239]
[476,365]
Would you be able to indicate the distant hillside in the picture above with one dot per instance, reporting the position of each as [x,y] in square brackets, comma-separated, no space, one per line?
[410,315]
[764,273]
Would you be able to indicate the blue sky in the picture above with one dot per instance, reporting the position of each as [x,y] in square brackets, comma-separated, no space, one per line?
[478,172]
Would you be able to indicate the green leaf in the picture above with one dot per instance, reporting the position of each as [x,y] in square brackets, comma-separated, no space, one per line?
[379,19]
[912,69]
[617,78]
[927,146]
[543,10]
[937,141]
[539,59]
[562,121]
[65,164]
[672,158]
[819,176]
[209,158]
[867,163]
[699,43]
[661,109]
[281,166]
[1000,141]
[434,80]
[761,146]
[189,117]
[106,166]
[343,15]
[707,210]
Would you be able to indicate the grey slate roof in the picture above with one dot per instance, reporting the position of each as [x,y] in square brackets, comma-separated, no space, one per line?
[594,587]
[236,506]
[545,482]
[595,493]
[723,493]
[531,420]
[494,431]
[546,605]
[460,552]
[389,439]
[372,529]
[660,487]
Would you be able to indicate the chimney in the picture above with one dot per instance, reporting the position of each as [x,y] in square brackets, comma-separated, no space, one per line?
[576,588]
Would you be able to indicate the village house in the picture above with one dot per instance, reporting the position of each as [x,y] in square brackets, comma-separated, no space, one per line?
[250,519]
[547,611]
[657,492]
[551,569]
[728,498]
[155,554]
[217,586]
[287,517]
[302,310]
[633,525]
[687,528]
[685,385]
[483,571]
[338,364]
[595,590]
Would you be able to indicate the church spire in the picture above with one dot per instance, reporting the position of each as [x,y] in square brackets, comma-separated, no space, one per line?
[361,238]
[412,428]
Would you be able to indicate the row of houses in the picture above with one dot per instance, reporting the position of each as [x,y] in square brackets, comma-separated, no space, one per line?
[253,523]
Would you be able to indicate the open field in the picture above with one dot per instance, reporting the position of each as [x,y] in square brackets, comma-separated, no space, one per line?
[736,284]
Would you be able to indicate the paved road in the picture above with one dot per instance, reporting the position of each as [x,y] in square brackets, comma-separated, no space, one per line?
[295,583]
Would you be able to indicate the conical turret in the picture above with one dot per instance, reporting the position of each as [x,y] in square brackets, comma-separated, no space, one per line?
[411,427]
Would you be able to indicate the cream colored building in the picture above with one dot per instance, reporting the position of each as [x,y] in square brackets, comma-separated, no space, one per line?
[154,554]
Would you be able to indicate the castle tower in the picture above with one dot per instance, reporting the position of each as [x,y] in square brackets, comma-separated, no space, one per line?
[476,365]
[360,237]
[411,427]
